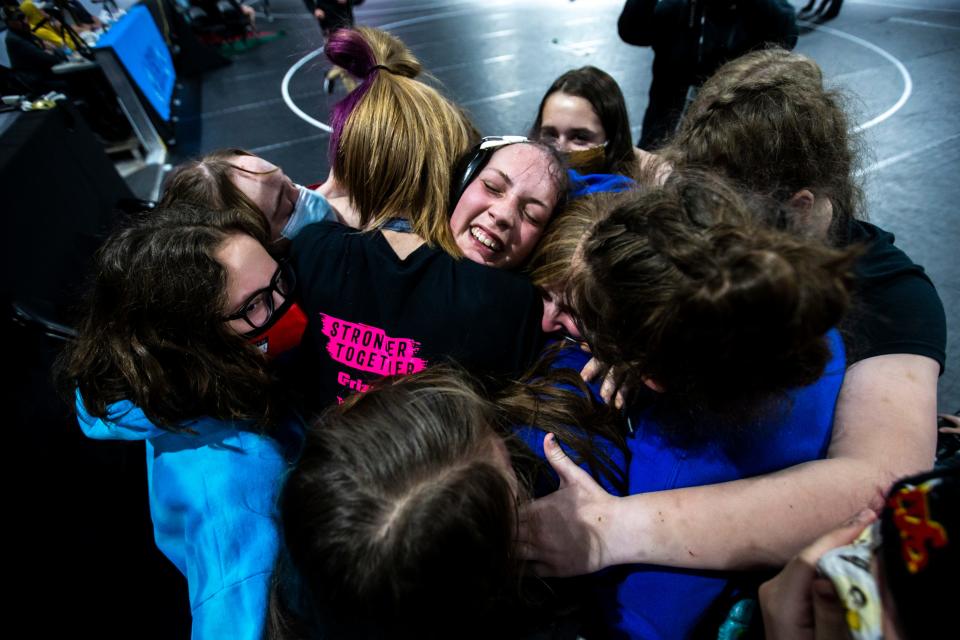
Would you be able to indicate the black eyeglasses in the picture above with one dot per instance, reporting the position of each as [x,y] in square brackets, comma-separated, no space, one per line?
[258,309]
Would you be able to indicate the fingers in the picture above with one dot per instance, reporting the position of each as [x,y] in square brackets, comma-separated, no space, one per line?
[566,469]
[609,387]
[829,614]
[569,472]
[556,456]
[612,390]
[781,598]
[954,422]
[845,534]
[591,370]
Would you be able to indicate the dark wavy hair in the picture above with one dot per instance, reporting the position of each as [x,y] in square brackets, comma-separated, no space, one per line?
[151,327]
[766,121]
[683,285]
[603,93]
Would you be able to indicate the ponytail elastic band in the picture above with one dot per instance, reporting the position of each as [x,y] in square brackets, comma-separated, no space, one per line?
[380,66]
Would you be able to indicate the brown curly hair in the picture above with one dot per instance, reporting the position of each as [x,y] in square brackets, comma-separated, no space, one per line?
[684,286]
[766,121]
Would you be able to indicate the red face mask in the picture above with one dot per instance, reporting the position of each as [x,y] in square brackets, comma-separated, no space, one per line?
[282,333]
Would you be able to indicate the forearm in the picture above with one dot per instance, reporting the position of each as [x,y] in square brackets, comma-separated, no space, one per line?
[884,429]
[744,524]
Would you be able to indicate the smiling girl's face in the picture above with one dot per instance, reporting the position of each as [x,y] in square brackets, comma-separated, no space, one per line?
[501,215]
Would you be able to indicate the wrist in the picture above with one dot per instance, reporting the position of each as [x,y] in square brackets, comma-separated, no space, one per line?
[615,545]
[622,536]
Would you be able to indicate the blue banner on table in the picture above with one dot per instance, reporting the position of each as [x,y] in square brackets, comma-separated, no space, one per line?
[140,48]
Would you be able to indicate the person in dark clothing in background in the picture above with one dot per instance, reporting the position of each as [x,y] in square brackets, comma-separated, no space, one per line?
[691,39]
[30,58]
[333,15]
[826,10]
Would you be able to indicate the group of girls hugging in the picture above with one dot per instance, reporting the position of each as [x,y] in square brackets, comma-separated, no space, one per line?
[363,405]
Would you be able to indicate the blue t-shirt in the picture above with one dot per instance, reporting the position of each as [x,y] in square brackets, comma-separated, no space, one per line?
[584,184]
[646,601]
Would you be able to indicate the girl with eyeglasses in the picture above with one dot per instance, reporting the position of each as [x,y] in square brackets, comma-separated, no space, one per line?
[185,310]
[506,190]
[398,295]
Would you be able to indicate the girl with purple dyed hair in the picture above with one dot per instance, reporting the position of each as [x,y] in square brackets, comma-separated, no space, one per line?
[395,297]
[393,149]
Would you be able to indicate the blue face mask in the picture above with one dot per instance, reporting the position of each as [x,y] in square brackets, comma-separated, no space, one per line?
[311,207]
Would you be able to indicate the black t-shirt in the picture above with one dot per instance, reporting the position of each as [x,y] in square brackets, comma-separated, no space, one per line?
[896,308]
[372,314]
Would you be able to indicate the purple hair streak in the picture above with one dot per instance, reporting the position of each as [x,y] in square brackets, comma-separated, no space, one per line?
[347,49]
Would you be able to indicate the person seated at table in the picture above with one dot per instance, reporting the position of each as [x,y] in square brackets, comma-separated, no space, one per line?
[44,26]
[31,58]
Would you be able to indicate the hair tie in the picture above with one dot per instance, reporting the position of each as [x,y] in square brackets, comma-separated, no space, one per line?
[380,66]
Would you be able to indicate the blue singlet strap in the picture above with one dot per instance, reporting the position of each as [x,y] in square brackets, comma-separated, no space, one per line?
[400,225]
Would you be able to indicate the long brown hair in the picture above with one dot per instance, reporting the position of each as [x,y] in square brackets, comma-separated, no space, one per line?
[400,518]
[151,328]
[395,139]
[556,399]
[551,263]
[766,121]
[684,286]
[206,183]
[397,516]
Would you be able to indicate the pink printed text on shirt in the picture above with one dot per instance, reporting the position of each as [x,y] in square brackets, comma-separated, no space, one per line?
[366,348]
